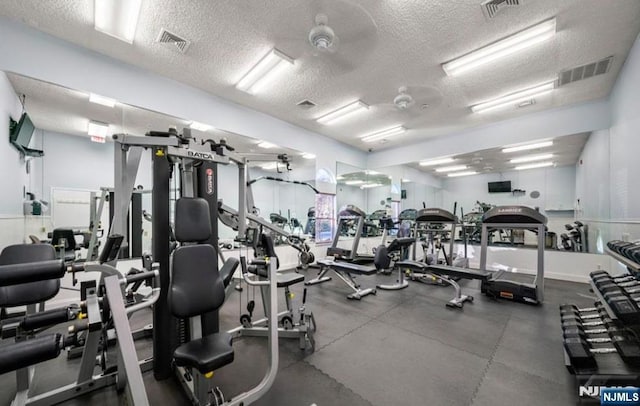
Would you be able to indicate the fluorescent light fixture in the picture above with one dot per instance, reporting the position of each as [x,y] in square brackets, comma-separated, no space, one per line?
[105,101]
[307,155]
[199,126]
[437,162]
[512,99]
[456,174]
[533,166]
[452,168]
[387,133]
[269,166]
[528,147]
[268,68]
[339,177]
[531,158]
[343,112]
[370,185]
[507,46]
[354,182]
[390,177]
[117,18]
[266,145]
[97,129]
[405,180]
[368,172]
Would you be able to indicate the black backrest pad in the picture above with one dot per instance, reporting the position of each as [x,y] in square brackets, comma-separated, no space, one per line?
[64,236]
[193,223]
[196,286]
[269,248]
[28,293]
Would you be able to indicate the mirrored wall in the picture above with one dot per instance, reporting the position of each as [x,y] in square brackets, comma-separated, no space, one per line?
[71,185]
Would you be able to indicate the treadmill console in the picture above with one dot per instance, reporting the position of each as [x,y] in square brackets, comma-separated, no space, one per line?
[514,214]
[435,215]
[351,210]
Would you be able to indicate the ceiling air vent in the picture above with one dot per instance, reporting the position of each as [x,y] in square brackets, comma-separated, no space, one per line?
[492,7]
[167,37]
[585,71]
[306,104]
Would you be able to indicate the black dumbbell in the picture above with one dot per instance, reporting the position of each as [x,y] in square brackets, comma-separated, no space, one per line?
[628,350]
[580,354]
[619,278]
[624,307]
[571,321]
[566,308]
[580,333]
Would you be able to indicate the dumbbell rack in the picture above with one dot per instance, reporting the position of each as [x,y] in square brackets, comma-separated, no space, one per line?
[612,370]
[623,260]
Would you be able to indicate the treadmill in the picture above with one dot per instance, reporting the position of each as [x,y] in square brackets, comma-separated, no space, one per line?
[348,213]
[515,218]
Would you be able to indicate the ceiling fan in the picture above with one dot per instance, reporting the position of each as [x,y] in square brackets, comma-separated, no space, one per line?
[412,101]
[339,33]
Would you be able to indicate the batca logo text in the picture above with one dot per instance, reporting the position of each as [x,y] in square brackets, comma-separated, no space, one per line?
[203,155]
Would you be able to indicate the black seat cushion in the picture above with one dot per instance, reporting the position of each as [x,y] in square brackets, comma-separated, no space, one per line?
[205,354]
[288,279]
[227,270]
[64,240]
[28,293]
[196,286]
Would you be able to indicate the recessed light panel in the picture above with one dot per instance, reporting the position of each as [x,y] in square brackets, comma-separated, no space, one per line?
[117,18]
[435,162]
[383,134]
[268,68]
[343,112]
[507,46]
[513,99]
[528,147]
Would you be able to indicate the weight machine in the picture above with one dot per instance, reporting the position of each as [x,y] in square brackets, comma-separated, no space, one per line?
[197,161]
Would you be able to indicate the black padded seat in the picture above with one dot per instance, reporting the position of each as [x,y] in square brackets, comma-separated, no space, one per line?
[197,286]
[33,292]
[289,279]
[227,270]
[259,267]
[65,237]
[348,267]
[205,354]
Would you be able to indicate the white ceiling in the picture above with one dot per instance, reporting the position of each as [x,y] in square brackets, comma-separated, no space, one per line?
[384,45]
[59,109]
[566,151]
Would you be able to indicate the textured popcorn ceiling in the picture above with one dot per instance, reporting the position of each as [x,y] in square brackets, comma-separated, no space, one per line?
[385,44]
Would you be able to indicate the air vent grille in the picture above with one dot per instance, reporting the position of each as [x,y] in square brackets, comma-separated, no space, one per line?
[492,7]
[167,37]
[585,71]
[306,104]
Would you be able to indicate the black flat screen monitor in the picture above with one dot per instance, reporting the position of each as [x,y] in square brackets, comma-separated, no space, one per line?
[23,131]
[500,187]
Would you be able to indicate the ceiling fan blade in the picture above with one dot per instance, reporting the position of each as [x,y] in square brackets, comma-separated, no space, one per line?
[425,95]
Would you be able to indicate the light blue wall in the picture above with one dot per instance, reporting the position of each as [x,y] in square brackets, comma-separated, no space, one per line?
[607,180]
[625,140]
[554,184]
[74,162]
